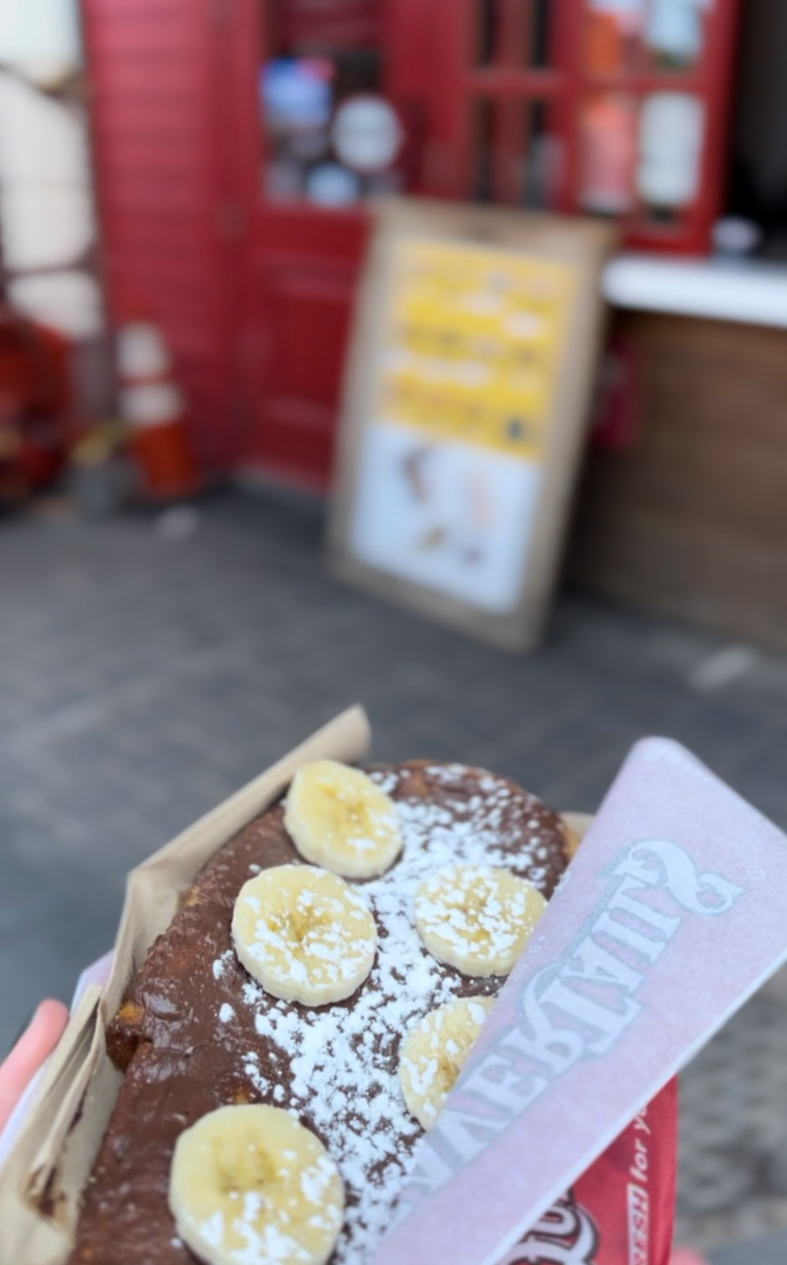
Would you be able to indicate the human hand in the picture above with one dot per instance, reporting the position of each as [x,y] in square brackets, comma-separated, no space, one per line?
[32,1048]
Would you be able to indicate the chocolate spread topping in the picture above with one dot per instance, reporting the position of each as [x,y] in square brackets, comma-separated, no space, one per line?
[196,1032]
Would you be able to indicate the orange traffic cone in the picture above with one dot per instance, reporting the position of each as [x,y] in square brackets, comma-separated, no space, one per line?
[153,407]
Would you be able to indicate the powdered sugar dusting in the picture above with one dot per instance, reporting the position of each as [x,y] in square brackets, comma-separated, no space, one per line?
[212,1230]
[252,1069]
[342,1060]
[221,963]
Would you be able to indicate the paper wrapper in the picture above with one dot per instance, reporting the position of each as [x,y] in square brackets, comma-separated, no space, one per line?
[668,919]
[41,1181]
[624,1205]
[596,1224]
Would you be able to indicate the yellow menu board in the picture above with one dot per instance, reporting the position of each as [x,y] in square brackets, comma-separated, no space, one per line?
[473,344]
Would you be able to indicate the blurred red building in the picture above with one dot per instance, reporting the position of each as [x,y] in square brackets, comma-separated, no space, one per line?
[237,141]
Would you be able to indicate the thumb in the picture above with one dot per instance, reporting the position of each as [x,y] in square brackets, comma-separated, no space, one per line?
[30,1051]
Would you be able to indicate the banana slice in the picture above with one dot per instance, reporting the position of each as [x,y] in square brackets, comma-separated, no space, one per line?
[250,1184]
[304,934]
[339,819]
[477,918]
[435,1051]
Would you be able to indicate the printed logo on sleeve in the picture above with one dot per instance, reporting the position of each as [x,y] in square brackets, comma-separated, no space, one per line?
[566,1235]
[578,1006]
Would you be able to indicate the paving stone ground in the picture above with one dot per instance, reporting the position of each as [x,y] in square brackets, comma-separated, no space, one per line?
[143,678]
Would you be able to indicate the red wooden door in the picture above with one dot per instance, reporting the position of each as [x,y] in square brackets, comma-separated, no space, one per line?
[167,204]
[304,256]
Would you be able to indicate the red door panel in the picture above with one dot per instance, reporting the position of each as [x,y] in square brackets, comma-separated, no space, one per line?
[294,443]
[298,231]
[160,191]
[312,308]
[304,307]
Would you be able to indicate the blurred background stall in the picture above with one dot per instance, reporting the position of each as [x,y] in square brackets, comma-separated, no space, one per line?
[237,144]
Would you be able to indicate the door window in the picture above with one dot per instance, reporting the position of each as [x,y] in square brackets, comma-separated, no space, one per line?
[515,146]
[675,35]
[515,32]
[332,138]
[642,116]
[634,35]
[609,107]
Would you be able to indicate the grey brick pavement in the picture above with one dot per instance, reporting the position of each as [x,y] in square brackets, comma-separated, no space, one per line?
[142,680]
[770,1251]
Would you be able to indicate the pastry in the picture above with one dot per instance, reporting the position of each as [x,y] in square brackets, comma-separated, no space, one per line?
[213,1020]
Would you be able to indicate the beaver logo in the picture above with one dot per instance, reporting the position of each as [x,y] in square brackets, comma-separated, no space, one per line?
[565,1235]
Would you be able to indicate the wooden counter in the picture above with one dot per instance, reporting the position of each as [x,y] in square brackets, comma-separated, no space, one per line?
[692,520]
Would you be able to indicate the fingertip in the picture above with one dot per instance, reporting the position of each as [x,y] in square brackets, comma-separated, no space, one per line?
[52,1015]
[30,1052]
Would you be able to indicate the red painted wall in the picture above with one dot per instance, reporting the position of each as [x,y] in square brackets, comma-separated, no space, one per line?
[159,190]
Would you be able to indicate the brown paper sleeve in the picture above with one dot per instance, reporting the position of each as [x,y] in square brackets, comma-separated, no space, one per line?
[42,1178]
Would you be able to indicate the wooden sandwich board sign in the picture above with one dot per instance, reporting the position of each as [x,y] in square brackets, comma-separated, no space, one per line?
[466,399]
